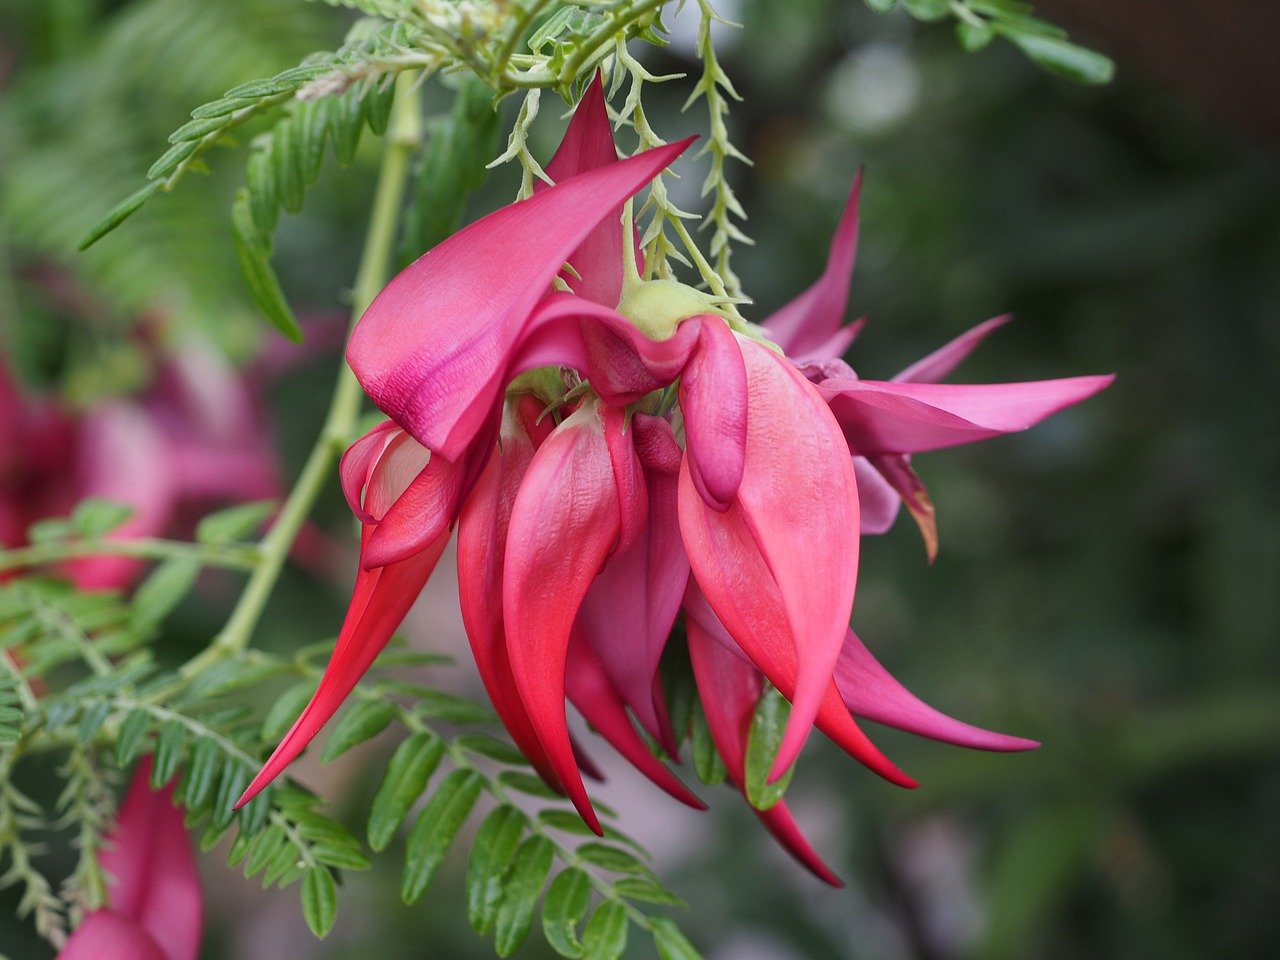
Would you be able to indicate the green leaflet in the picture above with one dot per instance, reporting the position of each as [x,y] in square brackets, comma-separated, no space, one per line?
[763,739]
[563,909]
[605,935]
[435,829]
[407,774]
[491,855]
[319,900]
[358,723]
[529,873]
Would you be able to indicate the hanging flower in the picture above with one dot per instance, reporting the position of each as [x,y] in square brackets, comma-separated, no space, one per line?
[155,909]
[615,450]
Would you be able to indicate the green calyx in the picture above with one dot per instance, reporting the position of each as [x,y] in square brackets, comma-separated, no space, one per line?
[656,307]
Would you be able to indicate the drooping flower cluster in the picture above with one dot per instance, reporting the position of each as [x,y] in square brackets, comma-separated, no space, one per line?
[616,454]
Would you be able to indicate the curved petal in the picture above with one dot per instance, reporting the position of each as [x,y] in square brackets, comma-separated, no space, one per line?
[794,524]
[598,702]
[432,347]
[380,601]
[882,417]
[422,513]
[104,935]
[564,522]
[153,878]
[937,365]
[482,541]
[871,692]
[713,398]
[357,463]
[628,477]
[729,690]
[808,328]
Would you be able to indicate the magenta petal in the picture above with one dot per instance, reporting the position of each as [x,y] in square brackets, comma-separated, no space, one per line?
[806,326]
[588,145]
[937,365]
[878,502]
[431,348]
[880,417]
[713,398]
[563,524]
[729,690]
[380,601]
[871,692]
[105,935]
[598,702]
[628,477]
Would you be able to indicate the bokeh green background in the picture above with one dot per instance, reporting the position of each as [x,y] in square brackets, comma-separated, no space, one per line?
[1108,583]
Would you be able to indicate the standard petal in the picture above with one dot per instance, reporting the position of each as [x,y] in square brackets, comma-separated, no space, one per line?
[871,692]
[880,417]
[588,145]
[564,522]
[729,689]
[808,328]
[153,878]
[380,601]
[431,348]
[937,365]
[598,702]
[482,541]
[713,399]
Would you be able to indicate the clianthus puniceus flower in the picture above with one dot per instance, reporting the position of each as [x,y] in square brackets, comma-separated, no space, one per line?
[616,453]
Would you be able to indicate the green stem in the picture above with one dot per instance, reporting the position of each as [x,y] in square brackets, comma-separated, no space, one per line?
[344,407]
[242,556]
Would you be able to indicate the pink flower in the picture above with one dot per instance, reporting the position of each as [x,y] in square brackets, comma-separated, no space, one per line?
[155,909]
[618,454]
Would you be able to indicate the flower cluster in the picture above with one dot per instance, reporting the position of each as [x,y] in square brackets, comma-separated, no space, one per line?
[618,454]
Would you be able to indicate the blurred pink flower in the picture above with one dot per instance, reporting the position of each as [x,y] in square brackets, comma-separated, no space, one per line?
[195,439]
[619,453]
[155,908]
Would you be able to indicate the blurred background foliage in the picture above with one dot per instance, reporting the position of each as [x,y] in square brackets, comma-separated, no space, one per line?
[1107,583]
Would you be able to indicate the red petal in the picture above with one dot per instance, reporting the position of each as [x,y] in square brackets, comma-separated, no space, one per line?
[564,522]
[791,532]
[482,540]
[104,935]
[379,603]
[937,365]
[885,417]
